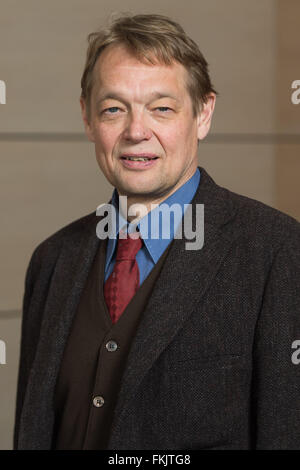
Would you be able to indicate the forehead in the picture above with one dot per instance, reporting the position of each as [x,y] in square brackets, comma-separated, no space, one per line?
[118,68]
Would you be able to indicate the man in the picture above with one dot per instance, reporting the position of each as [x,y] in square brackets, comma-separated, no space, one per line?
[137,342]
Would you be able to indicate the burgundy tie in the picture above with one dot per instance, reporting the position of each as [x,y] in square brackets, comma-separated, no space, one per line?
[124,281]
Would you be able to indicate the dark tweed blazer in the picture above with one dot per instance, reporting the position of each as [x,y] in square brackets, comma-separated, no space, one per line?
[211,364]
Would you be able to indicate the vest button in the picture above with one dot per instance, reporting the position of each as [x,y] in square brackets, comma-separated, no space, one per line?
[98,401]
[111,346]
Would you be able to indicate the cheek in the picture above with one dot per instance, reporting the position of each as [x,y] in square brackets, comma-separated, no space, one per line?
[175,140]
[170,137]
[105,138]
[186,139]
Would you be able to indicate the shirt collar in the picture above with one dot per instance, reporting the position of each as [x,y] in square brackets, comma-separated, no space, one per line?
[150,225]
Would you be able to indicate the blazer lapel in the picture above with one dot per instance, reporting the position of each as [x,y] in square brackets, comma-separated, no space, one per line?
[169,306]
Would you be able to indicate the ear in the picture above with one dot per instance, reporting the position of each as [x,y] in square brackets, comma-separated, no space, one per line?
[205,116]
[87,125]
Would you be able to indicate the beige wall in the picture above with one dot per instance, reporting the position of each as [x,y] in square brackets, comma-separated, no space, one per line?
[49,175]
[287,156]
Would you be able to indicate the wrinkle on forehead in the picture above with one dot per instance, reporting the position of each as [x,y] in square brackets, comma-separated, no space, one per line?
[117,60]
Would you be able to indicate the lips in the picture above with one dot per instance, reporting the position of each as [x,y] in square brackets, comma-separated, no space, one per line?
[138,156]
[138,161]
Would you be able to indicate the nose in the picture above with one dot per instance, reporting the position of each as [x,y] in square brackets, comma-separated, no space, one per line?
[136,128]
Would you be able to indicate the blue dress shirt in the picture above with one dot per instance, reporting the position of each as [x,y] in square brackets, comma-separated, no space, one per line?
[156,240]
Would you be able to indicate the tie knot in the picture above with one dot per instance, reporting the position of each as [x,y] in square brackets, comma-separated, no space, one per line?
[128,248]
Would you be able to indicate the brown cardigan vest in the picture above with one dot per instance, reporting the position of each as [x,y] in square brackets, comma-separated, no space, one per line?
[94,360]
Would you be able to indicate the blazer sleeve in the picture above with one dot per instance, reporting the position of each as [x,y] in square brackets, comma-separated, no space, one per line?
[29,331]
[276,377]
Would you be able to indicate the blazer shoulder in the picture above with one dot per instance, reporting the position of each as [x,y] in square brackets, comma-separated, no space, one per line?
[260,220]
[70,233]
[248,216]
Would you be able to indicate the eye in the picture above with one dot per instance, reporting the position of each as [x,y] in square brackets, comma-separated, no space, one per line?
[112,107]
[163,107]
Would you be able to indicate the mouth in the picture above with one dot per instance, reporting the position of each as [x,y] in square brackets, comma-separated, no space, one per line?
[138,161]
[138,158]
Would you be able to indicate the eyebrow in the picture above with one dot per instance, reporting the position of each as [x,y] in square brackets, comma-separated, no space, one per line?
[154,96]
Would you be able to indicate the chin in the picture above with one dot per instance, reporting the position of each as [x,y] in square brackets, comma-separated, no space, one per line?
[139,190]
[136,191]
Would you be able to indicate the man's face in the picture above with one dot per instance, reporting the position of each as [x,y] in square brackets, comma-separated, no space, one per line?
[137,109]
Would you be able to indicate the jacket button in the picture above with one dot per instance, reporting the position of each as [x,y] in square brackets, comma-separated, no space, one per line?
[98,401]
[111,346]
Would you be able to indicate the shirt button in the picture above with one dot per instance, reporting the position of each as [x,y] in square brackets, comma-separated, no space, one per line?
[111,346]
[98,401]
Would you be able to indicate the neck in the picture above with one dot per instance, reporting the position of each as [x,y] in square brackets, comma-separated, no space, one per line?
[135,207]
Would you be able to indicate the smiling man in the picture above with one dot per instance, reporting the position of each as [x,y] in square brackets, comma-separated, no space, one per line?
[131,341]
[143,125]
